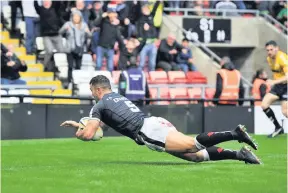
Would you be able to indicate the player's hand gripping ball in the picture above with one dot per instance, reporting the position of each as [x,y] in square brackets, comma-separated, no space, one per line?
[99,132]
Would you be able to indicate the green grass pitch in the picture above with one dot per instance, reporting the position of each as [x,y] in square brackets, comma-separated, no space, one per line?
[119,165]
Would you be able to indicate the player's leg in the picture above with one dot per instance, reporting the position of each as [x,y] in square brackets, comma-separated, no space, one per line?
[216,153]
[178,142]
[284,108]
[268,99]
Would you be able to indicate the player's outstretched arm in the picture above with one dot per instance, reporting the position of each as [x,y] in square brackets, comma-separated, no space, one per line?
[89,131]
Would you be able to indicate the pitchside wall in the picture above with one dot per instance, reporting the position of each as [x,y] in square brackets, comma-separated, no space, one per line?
[28,121]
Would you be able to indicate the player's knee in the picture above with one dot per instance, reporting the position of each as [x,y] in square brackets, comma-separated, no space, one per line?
[196,157]
[264,105]
[285,111]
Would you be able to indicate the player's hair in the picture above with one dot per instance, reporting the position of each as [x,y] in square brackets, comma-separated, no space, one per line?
[271,43]
[185,40]
[101,81]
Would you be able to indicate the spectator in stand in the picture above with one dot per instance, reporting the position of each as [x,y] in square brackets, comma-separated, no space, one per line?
[174,4]
[229,85]
[95,21]
[80,6]
[282,15]
[184,58]
[49,27]
[107,39]
[32,25]
[145,27]
[265,7]
[167,53]
[226,5]
[76,32]
[10,66]
[133,16]
[130,48]
[4,22]
[157,17]
[122,10]
[14,6]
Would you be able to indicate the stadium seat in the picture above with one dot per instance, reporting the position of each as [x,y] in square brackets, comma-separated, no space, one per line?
[44,92]
[176,77]
[179,93]
[196,77]
[29,59]
[209,93]
[21,92]
[22,27]
[41,101]
[55,83]
[87,62]
[18,92]
[164,93]
[84,89]
[4,35]
[14,42]
[35,68]
[195,93]
[66,101]
[3,92]
[19,51]
[148,77]
[104,73]
[62,92]
[62,64]
[116,76]
[10,100]
[37,76]
[39,44]
[158,77]
[82,76]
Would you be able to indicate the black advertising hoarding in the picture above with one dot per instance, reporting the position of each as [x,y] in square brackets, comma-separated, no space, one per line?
[208,30]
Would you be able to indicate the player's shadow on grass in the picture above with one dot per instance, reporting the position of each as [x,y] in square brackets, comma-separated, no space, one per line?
[150,163]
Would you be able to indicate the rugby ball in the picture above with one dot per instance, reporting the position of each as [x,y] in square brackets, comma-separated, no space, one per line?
[99,132]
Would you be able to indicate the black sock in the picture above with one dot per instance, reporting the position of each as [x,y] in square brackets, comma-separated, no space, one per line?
[218,153]
[213,138]
[270,114]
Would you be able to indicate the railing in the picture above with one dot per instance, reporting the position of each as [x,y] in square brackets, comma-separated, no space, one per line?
[223,12]
[207,50]
[272,20]
[201,100]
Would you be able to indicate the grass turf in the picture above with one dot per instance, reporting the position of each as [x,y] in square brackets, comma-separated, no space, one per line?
[119,165]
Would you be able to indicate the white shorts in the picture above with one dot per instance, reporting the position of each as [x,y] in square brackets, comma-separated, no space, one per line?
[154,132]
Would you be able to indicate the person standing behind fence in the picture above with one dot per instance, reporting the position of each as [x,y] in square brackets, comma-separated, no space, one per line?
[76,32]
[49,26]
[260,86]
[32,25]
[133,84]
[10,66]
[107,38]
[228,84]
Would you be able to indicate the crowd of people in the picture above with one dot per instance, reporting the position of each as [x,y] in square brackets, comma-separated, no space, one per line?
[116,28]
[104,29]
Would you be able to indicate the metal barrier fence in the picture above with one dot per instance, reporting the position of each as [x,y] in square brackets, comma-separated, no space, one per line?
[223,12]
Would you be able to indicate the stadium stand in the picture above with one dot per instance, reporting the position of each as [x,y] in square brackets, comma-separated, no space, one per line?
[36,75]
